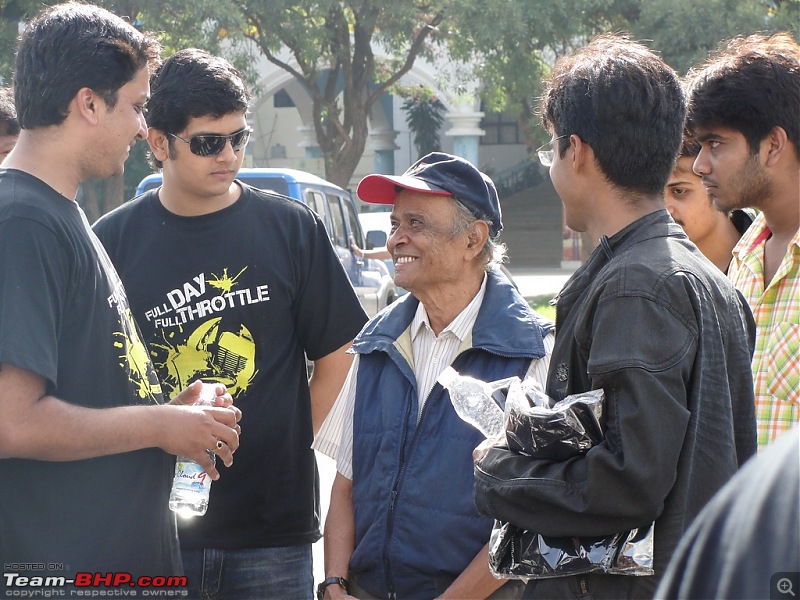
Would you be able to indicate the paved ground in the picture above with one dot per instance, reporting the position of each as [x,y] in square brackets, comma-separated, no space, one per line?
[532,283]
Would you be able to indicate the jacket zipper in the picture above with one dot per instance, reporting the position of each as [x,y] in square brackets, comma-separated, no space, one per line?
[584,586]
[395,492]
[398,481]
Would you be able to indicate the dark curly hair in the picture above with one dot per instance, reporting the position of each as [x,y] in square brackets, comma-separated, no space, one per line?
[71,46]
[625,103]
[751,85]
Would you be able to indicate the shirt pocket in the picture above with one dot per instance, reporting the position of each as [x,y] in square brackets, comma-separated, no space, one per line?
[783,348]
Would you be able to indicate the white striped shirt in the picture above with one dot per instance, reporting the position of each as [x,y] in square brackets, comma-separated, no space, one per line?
[432,354]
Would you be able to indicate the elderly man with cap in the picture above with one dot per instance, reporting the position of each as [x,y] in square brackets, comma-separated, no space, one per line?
[401,522]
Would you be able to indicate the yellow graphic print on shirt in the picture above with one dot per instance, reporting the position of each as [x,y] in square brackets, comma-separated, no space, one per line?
[225,283]
[127,342]
[201,335]
[133,358]
[210,353]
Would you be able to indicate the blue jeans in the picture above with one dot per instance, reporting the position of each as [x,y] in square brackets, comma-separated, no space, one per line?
[251,574]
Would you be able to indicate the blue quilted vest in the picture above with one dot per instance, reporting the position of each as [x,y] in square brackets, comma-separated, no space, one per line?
[416,526]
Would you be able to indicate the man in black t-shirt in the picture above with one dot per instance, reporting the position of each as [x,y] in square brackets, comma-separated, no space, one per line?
[86,441]
[236,285]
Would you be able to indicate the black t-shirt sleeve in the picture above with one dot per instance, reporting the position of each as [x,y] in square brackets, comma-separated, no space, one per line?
[33,276]
[327,311]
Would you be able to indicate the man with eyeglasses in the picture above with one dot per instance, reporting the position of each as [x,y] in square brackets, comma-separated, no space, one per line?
[236,284]
[647,319]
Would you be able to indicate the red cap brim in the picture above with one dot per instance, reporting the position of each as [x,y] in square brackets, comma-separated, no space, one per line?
[382,189]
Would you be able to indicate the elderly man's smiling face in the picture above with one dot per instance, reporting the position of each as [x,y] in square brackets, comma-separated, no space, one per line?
[427,255]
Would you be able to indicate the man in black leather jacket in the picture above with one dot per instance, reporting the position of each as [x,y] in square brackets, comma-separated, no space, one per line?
[647,318]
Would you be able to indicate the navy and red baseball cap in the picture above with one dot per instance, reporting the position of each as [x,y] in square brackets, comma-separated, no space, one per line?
[439,174]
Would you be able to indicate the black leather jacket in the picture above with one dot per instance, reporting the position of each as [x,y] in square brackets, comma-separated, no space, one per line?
[669,339]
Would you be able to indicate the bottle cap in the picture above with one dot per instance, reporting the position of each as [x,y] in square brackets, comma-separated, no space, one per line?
[207,394]
[447,377]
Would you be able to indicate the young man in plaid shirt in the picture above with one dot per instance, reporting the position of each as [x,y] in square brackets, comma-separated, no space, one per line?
[743,111]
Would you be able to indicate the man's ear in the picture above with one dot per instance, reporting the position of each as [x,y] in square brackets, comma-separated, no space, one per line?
[581,151]
[582,159]
[476,238]
[159,143]
[777,142]
[86,103]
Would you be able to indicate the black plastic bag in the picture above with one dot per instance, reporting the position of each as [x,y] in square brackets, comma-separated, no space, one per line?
[519,554]
[569,427]
[538,428]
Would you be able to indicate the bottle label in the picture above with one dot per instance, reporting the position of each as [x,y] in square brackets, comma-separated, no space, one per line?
[190,476]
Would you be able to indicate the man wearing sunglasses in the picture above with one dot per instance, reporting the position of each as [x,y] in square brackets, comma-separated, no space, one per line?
[236,284]
[213,144]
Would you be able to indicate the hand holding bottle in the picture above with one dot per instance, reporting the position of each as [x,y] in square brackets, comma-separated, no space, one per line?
[191,486]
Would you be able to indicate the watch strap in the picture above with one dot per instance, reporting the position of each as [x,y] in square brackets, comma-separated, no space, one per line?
[331,581]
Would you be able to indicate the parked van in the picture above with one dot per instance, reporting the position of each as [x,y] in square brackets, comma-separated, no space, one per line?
[370,278]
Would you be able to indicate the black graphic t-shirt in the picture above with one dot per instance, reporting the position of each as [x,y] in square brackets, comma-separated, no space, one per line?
[64,316]
[238,296]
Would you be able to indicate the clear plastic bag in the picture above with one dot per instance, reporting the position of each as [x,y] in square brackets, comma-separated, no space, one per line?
[540,428]
[476,402]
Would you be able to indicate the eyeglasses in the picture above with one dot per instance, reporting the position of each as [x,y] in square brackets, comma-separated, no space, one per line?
[546,156]
[212,144]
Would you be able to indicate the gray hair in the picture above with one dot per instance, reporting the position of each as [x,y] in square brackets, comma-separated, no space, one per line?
[494,251]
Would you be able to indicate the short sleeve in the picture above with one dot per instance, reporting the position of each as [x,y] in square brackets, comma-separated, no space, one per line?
[335,437]
[34,272]
[327,312]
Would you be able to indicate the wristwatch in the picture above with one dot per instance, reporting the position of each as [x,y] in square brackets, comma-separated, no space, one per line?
[331,581]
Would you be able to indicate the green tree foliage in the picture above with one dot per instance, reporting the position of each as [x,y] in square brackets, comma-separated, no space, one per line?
[205,24]
[12,13]
[784,15]
[516,42]
[684,31]
[346,54]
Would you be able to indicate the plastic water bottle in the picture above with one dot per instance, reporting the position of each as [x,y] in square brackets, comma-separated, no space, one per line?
[472,400]
[192,485]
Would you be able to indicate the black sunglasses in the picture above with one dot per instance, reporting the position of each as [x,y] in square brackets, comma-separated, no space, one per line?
[212,144]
